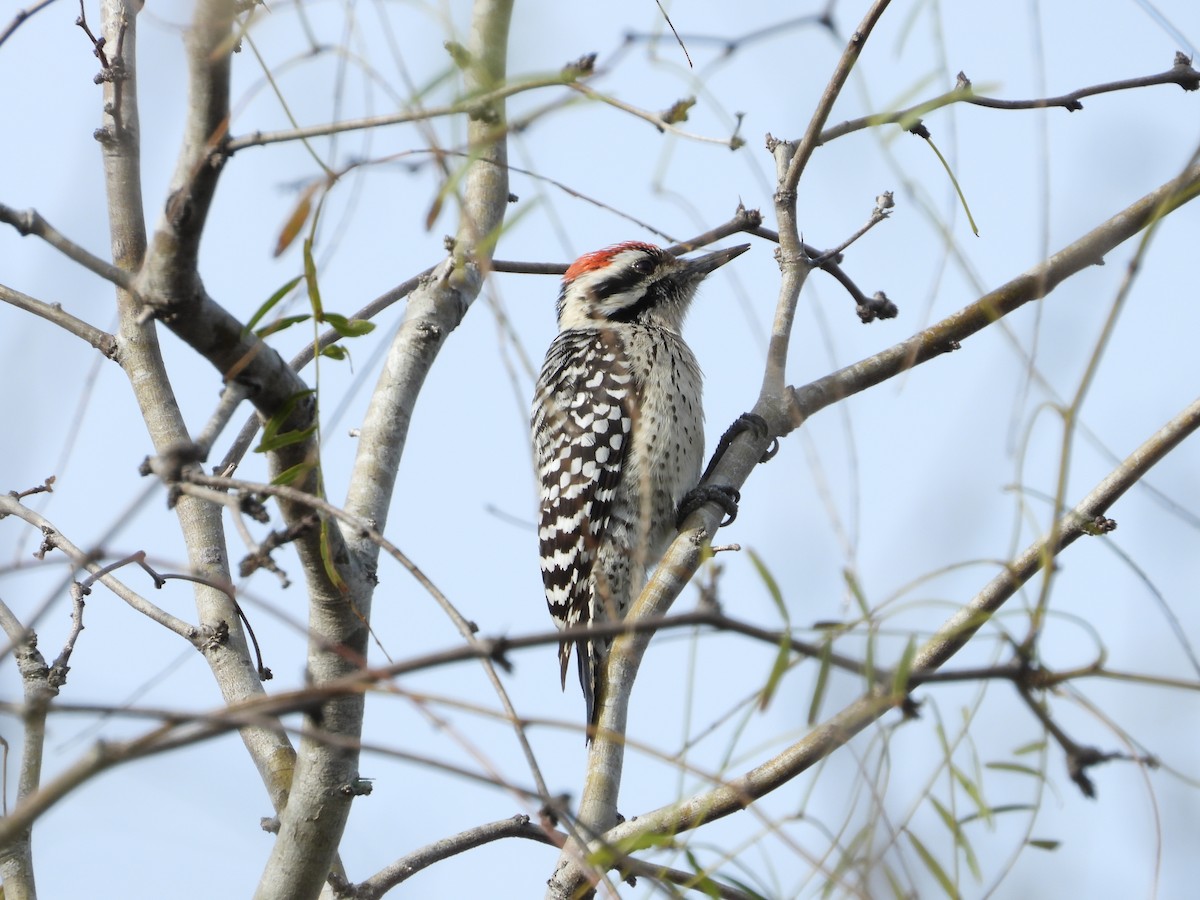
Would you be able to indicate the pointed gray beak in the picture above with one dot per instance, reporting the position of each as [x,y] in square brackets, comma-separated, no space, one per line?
[702,266]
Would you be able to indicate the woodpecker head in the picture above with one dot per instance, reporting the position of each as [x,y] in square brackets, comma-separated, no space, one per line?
[634,283]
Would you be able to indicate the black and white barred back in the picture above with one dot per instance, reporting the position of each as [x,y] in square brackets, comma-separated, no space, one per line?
[618,436]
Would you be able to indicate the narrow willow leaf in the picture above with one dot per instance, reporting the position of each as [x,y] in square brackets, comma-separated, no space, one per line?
[702,882]
[604,857]
[898,890]
[934,867]
[856,592]
[310,279]
[435,209]
[1016,767]
[904,669]
[272,437]
[846,860]
[331,571]
[1035,747]
[1043,844]
[744,888]
[295,222]
[271,301]
[772,585]
[782,656]
[973,791]
[1001,810]
[869,659]
[814,707]
[960,837]
[284,439]
[280,324]
[292,474]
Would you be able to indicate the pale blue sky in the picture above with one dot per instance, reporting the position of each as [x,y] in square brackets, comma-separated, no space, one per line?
[905,480]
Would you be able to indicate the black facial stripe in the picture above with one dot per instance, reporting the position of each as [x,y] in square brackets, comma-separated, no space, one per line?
[618,283]
[654,295]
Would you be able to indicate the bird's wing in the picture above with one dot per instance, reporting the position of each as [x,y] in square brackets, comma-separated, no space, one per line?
[581,426]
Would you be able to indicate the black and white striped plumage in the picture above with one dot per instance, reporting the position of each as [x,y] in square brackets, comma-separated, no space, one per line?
[618,435]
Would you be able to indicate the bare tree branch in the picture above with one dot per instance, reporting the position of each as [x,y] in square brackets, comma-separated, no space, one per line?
[16,859]
[312,824]
[1034,284]
[412,863]
[200,522]
[21,17]
[30,222]
[658,120]
[1181,73]
[53,312]
[470,106]
[812,135]
[52,538]
[519,827]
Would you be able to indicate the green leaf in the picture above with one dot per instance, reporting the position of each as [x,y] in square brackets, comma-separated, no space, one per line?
[869,659]
[814,707]
[744,888]
[281,324]
[960,837]
[273,438]
[284,439]
[973,791]
[271,301]
[331,571]
[1016,767]
[348,327]
[934,867]
[605,857]
[1034,747]
[1043,844]
[904,669]
[898,890]
[780,666]
[292,474]
[335,351]
[310,279]
[1000,810]
[846,860]
[856,592]
[772,586]
[702,881]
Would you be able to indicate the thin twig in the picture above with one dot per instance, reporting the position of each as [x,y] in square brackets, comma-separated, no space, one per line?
[53,312]
[54,539]
[1034,284]
[733,142]
[1181,74]
[811,139]
[22,16]
[468,106]
[518,826]
[30,221]
[730,45]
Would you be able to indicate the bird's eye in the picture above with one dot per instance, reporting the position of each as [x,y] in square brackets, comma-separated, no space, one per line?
[644,266]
